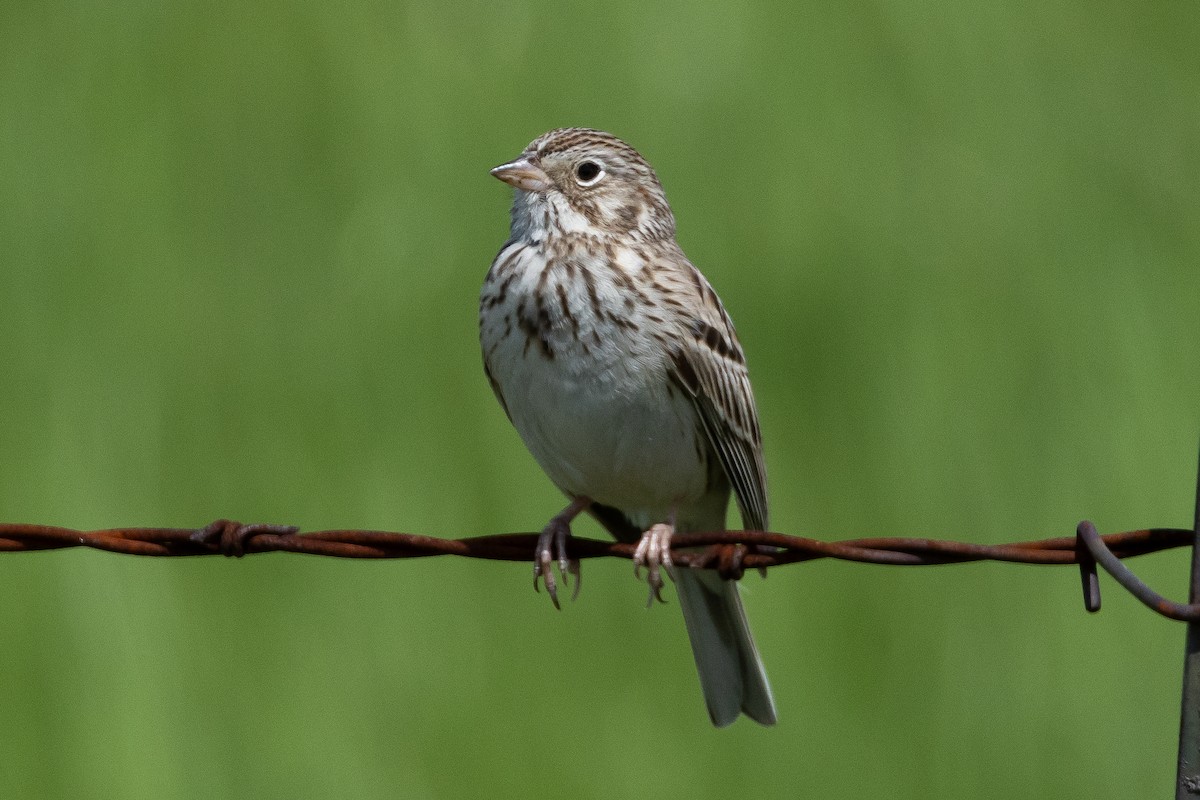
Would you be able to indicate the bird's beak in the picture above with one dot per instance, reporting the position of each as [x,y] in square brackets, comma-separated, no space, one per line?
[523,174]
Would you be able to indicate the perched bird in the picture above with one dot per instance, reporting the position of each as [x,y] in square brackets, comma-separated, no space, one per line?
[617,364]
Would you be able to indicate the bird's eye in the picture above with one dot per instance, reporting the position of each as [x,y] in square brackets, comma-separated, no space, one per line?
[588,172]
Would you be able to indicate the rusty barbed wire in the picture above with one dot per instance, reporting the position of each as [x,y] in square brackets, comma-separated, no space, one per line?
[262,538]
[729,551]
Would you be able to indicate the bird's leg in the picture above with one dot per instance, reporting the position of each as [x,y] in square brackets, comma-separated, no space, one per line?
[654,553]
[553,543]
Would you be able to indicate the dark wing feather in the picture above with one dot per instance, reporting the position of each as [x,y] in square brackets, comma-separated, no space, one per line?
[496,389]
[710,366]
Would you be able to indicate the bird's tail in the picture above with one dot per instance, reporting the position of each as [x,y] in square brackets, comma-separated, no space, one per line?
[731,672]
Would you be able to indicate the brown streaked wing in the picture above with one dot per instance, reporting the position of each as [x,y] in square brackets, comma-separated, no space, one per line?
[710,366]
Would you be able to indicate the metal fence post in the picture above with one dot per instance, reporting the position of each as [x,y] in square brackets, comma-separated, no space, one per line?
[1187,778]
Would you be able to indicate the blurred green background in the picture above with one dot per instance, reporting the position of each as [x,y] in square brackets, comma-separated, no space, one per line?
[240,253]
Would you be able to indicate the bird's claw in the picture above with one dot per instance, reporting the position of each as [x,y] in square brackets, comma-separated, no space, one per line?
[654,553]
[551,546]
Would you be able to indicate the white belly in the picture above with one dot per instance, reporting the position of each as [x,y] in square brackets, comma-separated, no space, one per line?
[599,413]
[618,436]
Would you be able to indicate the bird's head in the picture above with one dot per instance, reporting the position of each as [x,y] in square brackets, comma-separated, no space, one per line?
[579,180]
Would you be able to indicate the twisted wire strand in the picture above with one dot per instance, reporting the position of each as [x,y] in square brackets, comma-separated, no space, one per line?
[732,551]
[898,551]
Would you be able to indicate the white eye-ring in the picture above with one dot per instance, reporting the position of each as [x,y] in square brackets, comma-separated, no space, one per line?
[589,172]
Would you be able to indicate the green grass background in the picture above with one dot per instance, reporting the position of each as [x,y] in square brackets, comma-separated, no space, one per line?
[240,251]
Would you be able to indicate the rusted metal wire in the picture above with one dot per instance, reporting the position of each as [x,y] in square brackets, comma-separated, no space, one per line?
[730,552]
[898,551]
[1099,553]
[1187,772]
[754,549]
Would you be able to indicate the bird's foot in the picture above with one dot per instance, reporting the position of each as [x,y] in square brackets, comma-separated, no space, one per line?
[654,553]
[552,546]
[231,537]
